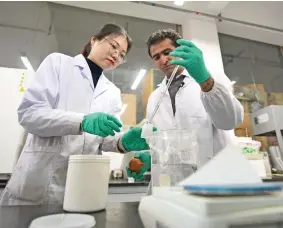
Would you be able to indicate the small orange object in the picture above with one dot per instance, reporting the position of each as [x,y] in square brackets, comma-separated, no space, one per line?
[135,165]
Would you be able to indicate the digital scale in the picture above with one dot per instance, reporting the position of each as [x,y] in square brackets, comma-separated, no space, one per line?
[177,208]
[258,205]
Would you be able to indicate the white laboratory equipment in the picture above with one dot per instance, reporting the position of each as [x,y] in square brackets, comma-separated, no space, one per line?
[269,122]
[176,208]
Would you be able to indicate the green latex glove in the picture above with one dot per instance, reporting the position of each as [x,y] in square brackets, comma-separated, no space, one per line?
[146,159]
[132,140]
[101,124]
[192,60]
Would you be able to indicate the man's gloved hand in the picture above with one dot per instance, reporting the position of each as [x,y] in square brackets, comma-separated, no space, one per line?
[132,140]
[192,60]
[145,158]
[101,124]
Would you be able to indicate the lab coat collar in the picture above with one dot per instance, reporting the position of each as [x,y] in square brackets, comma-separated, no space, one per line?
[82,64]
[187,80]
[80,61]
[102,84]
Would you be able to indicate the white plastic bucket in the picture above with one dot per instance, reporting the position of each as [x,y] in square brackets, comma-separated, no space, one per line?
[87,183]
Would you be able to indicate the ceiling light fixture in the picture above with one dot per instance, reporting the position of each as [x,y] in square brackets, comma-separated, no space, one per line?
[26,62]
[178,2]
[138,79]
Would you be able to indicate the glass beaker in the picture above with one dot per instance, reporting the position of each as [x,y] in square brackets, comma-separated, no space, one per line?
[174,156]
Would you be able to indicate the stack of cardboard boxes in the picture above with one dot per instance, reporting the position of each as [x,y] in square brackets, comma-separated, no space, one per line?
[129,115]
[254,97]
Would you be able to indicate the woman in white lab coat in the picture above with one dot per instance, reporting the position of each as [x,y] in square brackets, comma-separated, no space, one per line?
[70,108]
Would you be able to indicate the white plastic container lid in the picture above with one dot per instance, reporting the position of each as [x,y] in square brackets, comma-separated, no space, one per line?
[64,221]
[89,158]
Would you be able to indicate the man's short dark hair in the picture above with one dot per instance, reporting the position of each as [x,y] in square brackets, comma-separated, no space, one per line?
[161,35]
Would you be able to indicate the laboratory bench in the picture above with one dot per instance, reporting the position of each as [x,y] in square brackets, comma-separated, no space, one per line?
[119,190]
[116,215]
[123,191]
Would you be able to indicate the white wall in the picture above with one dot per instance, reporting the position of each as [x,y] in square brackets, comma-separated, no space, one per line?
[11,133]
[263,13]
[24,27]
[207,40]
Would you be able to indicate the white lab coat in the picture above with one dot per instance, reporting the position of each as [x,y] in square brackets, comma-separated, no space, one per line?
[52,109]
[211,114]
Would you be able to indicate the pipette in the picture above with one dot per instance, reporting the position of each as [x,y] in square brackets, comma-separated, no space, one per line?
[147,127]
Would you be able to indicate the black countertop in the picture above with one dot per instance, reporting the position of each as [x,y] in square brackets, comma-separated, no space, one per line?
[116,215]
[112,183]
[274,179]
[124,182]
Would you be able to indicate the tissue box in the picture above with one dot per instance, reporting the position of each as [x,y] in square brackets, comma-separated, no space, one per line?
[245,130]
[248,145]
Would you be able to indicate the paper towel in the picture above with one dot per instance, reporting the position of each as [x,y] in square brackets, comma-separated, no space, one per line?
[229,166]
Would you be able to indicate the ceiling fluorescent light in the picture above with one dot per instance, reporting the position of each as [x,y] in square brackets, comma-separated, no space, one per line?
[138,79]
[26,62]
[124,108]
[178,2]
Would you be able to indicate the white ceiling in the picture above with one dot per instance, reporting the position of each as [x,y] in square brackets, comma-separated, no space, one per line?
[256,12]
[259,12]
[210,7]
[267,13]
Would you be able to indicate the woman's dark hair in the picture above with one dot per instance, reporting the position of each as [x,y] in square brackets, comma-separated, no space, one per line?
[106,30]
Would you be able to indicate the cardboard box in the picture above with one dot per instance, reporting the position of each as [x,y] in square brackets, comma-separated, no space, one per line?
[244,129]
[255,105]
[129,115]
[260,87]
[264,142]
[275,99]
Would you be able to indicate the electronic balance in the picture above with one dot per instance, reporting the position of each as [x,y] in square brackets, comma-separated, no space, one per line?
[176,208]
[269,122]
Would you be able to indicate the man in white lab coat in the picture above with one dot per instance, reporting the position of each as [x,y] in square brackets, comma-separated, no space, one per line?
[194,99]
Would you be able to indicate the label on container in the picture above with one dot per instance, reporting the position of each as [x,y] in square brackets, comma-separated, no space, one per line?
[263,118]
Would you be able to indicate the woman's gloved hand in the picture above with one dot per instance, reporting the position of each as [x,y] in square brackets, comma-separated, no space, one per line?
[139,165]
[101,124]
[132,140]
[192,60]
